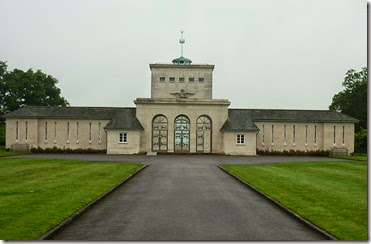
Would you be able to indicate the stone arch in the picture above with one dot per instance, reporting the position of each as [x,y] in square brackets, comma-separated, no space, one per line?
[182,126]
[204,129]
[160,133]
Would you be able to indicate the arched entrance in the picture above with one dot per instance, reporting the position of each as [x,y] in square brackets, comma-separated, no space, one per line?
[203,134]
[159,133]
[181,134]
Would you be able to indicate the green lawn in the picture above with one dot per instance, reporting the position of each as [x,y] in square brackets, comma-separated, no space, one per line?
[4,153]
[332,195]
[356,156]
[37,194]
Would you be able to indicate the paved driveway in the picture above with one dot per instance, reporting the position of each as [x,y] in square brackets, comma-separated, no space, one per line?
[185,198]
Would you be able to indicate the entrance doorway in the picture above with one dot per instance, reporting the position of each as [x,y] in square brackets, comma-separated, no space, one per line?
[203,134]
[159,134]
[181,134]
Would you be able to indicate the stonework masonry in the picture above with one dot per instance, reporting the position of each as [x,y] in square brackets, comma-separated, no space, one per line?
[181,116]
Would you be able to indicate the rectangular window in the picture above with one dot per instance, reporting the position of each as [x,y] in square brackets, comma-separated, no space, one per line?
[191,79]
[293,134]
[46,131]
[306,134]
[181,79]
[172,79]
[68,131]
[263,134]
[55,131]
[16,131]
[334,134]
[272,134]
[90,132]
[343,135]
[123,137]
[99,133]
[284,134]
[162,79]
[26,129]
[241,139]
[77,131]
[201,79]
[315,134]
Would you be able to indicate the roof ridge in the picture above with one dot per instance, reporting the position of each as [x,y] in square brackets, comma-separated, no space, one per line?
[282,109]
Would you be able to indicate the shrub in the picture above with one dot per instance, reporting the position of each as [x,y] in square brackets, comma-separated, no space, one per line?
[66,150]
[293,152]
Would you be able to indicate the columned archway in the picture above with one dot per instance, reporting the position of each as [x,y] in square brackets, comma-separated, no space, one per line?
[159,133]
[203,134]
[181,134]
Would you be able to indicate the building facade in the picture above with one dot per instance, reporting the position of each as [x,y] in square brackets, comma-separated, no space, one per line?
[181,116]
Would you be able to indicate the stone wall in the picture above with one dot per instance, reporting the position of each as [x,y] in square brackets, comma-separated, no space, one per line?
[129,147]
[305,138]
[231,147]
[162,89]
[47,133]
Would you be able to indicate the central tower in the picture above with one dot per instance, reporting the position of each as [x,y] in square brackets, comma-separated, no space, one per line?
[181,77]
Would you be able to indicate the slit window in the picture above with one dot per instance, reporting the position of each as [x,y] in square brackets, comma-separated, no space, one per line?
[263,133]
[343,135]
[272,133]
[16,130]
[90,131]
[293,134]
[55,130]
[26,130]
[315,134]
[306,134]
[334,134]
[68,131]
[77,131]
[46,131]
[99,133]
[284,134]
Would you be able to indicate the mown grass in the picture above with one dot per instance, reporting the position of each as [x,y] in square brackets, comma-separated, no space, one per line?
[332,195]
[37,194]
[356,156]
[4,153]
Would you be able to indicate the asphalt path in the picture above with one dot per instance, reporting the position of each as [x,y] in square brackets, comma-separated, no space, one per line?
[185,197]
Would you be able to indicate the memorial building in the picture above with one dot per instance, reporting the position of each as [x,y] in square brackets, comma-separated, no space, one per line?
[181,116]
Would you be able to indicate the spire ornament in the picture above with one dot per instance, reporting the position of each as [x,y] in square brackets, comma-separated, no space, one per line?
[181,59]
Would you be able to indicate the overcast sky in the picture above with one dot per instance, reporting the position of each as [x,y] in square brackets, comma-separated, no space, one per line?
[267,54]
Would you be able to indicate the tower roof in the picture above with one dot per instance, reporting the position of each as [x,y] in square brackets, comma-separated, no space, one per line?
[181,60]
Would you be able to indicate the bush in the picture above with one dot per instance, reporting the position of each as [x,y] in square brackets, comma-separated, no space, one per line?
[360,141]
[293,152]
[2,134]
[66,150]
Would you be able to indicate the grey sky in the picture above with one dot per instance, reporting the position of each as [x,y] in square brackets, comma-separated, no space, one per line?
[267,54]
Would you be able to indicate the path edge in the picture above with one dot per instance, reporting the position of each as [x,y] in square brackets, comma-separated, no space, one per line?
[280,205]
[52,232]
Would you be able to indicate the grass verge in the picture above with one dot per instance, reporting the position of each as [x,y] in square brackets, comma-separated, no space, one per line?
[357,157]
[4,153]
[332,195]
[37,194]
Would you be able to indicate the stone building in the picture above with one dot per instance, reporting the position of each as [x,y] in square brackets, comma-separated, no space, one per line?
[180,117]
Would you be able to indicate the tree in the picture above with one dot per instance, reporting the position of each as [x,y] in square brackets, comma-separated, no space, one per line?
[19,88]
[352,100]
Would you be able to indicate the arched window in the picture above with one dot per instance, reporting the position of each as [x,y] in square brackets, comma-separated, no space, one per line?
[204,130]
[181,134]
[159,133]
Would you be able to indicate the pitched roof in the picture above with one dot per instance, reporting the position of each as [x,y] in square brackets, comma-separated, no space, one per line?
[243,119]
[121,118]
